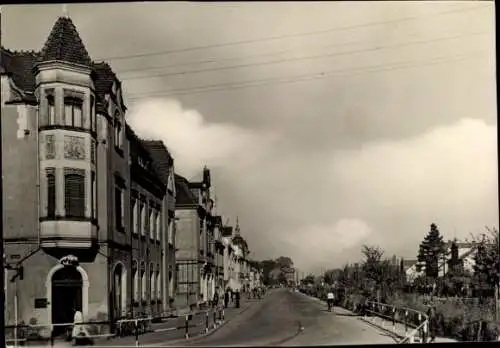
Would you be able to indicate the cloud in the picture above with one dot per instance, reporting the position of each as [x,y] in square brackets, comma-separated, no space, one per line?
[193,141]
[319,207]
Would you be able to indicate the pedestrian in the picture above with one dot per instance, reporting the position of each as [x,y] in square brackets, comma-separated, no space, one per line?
[232,296]
[237,295]
[215,301]
[226,299]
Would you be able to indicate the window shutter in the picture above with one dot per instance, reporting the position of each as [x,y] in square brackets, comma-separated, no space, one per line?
[74,192]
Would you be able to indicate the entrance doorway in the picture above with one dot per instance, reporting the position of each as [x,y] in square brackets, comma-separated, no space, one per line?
[117,291]
[67,286]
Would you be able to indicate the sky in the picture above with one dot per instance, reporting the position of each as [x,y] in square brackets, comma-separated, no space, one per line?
[327,125]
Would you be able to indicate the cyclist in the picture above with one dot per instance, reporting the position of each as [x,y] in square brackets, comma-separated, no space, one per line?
[329,300]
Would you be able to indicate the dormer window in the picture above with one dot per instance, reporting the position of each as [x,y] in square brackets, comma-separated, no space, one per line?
[73,112]
[118,132]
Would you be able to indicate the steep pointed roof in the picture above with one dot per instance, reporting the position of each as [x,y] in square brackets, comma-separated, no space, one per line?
[64,44]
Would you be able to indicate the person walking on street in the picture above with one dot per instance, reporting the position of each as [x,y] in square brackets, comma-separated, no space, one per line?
[329,299]
[226,298]
[215,300]
[237,295]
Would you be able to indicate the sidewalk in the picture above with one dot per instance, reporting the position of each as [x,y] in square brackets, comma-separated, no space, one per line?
[397,331]
[172,331]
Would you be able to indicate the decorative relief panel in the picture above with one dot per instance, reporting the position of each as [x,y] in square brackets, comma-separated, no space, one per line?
[50,146]
[74,147]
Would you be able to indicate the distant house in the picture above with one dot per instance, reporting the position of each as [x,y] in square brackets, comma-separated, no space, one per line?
[466,253]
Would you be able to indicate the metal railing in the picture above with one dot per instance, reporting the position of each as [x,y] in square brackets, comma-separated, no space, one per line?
[415,323]
[191,324]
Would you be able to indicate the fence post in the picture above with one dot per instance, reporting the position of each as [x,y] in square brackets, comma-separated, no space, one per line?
[420,322]
[206,322]
[136,324]
[187,326]
[394,319]
[425,330]
[406,322]
[373,311]
[215,317]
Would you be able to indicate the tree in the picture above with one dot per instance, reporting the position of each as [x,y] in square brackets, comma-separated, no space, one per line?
[382,275]
[431,251]
[331,275]
[309,279]
[284,262]
[486,268]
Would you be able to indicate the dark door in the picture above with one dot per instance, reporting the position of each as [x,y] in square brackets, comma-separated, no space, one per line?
[66,297]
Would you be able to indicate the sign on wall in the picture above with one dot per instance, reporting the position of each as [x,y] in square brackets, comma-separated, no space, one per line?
[41,303]
[69,260]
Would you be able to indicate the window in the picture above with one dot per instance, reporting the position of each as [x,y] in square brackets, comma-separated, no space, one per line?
[51,110]
[143,219]
[171,232]
[135,217]
[74,192]
[119,218]
[92,113]
[73,112]
[94,195]
[143,281]
[158,226]
[158,284]
[118,133]
[151,223]
[51,192]
[93,156]
[151,283]
[135,273]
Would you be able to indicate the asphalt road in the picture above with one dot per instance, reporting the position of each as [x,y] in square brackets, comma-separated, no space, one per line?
[278,319]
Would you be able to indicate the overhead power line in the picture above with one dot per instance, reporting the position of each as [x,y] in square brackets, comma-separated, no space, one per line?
[293,59]
[322,75]
[286,36]
[230,59]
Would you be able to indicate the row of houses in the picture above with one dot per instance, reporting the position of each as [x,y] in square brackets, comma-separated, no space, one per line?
[95,219]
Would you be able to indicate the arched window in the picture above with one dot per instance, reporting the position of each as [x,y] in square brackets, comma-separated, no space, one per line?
[144,283]
[134,216]
[151,282]
[74,192]
[158,283]
[135,275]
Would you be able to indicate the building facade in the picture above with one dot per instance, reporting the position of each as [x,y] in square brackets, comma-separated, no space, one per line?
[195,242]
[73,171]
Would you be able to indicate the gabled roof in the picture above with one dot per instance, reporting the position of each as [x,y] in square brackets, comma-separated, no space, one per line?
[184,196]
[64,44]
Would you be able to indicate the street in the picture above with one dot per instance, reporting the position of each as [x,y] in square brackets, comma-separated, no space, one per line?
[277,320]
